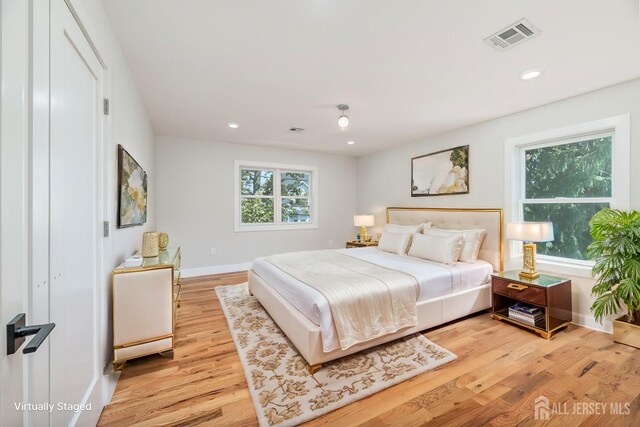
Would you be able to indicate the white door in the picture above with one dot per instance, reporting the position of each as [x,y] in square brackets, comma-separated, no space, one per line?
[14,183]
[76,89]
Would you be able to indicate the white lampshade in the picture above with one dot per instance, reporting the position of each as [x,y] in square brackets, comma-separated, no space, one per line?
[530,231]
[343,121]
[363,220]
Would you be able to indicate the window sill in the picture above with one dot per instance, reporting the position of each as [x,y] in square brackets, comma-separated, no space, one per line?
[273,227]
[565,268]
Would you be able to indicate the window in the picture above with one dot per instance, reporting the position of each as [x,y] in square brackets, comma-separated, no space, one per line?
[567,183]
[566,176]
[275,197]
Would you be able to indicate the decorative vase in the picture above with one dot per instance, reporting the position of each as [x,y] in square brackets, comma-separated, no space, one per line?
[163,241]
[150,244]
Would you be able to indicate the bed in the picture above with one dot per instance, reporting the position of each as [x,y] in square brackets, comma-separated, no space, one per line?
[445,293]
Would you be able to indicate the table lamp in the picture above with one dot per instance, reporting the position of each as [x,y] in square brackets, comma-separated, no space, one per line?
[363,221]
[530,233]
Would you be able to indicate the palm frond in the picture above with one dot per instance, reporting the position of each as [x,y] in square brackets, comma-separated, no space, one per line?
[616,251]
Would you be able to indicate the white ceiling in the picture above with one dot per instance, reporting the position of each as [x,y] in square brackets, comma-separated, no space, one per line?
[408,69]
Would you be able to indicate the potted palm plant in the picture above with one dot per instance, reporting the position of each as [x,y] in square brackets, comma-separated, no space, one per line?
[616,251]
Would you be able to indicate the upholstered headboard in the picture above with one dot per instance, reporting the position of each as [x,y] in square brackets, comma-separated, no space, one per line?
[492,249]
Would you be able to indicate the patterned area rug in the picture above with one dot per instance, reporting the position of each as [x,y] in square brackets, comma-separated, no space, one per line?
[283,391]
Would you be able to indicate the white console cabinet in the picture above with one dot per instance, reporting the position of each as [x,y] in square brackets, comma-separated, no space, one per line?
[146,299]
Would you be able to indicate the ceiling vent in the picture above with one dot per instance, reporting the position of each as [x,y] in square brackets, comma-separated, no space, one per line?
[512,35]
[296,130]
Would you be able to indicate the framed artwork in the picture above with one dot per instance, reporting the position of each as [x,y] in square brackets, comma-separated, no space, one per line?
[441,173]
[132,191]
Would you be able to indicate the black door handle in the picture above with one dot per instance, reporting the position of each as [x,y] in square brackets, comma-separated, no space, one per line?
[16,331]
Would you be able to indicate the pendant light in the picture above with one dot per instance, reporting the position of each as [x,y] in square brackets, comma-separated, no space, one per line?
[343,120]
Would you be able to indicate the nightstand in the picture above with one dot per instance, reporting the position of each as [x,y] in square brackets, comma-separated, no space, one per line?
[549,294]
[359,244]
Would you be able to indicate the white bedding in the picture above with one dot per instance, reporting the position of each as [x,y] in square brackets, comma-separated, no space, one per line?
[434,280]
[378,301]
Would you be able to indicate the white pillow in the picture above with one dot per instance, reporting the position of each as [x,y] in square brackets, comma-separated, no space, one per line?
[397,228]
[439,248]
[472,241]
[396,243]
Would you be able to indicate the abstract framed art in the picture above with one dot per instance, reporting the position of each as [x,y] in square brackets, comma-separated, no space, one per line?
[441,173]
[132,191]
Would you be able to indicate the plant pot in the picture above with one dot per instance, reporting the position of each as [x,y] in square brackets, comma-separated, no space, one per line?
[625,332]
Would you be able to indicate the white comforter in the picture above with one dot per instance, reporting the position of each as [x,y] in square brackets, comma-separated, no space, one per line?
[367,301]
[434,280]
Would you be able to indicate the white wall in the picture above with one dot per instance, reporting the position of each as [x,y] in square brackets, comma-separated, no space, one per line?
[130,127]
[196,203]
[384,177]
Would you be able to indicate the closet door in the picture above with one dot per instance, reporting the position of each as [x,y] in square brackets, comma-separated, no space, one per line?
[76,196]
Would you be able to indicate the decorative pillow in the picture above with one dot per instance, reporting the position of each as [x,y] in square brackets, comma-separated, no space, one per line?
[396,243]
[397,228]
[440,248]
[472,241]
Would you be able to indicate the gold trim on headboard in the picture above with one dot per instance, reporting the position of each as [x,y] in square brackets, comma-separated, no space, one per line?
[496,210]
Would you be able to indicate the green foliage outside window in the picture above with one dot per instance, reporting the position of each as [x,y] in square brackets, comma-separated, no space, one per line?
[570,226]
[256,182]
[295,184]
[579,169]
[560,172]
[257,204]
[257,211]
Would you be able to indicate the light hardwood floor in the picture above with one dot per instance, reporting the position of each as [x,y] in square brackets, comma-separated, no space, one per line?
[500,370]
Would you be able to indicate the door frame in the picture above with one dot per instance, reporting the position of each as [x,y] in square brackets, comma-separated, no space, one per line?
[108,153]
[14,182]
[39,269]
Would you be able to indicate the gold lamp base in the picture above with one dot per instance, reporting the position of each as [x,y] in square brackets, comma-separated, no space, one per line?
[529,262]
[363,233]
[529,276]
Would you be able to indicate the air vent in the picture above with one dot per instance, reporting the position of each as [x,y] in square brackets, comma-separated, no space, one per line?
[512,35]
[296,130]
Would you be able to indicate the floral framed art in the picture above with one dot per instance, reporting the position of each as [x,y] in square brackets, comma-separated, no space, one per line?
[441,173]
[132,191]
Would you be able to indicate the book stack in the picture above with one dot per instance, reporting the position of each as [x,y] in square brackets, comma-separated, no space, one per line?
[525,313]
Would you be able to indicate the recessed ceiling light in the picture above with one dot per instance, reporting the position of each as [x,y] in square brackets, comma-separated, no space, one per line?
[351,142]
[531,74]
[233,125]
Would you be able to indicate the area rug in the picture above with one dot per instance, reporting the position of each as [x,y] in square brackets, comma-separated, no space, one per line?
[283,391]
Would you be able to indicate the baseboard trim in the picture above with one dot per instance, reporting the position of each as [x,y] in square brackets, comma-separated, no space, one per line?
[110,381]
[589,322]
[215,269]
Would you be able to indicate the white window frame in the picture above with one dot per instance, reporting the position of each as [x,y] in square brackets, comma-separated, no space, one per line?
[620,128]
[278,169]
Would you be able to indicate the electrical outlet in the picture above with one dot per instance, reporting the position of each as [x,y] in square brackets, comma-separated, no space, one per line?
[213,251]
[330,242]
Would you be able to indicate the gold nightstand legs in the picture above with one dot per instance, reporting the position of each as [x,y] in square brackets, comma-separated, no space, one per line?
[543,334]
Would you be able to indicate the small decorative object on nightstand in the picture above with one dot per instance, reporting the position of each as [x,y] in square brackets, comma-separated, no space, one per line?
[542,305]
[530,233]
[360,244]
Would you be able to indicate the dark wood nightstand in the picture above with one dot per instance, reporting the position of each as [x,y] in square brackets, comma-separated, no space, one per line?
[359,244]
[549,293]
